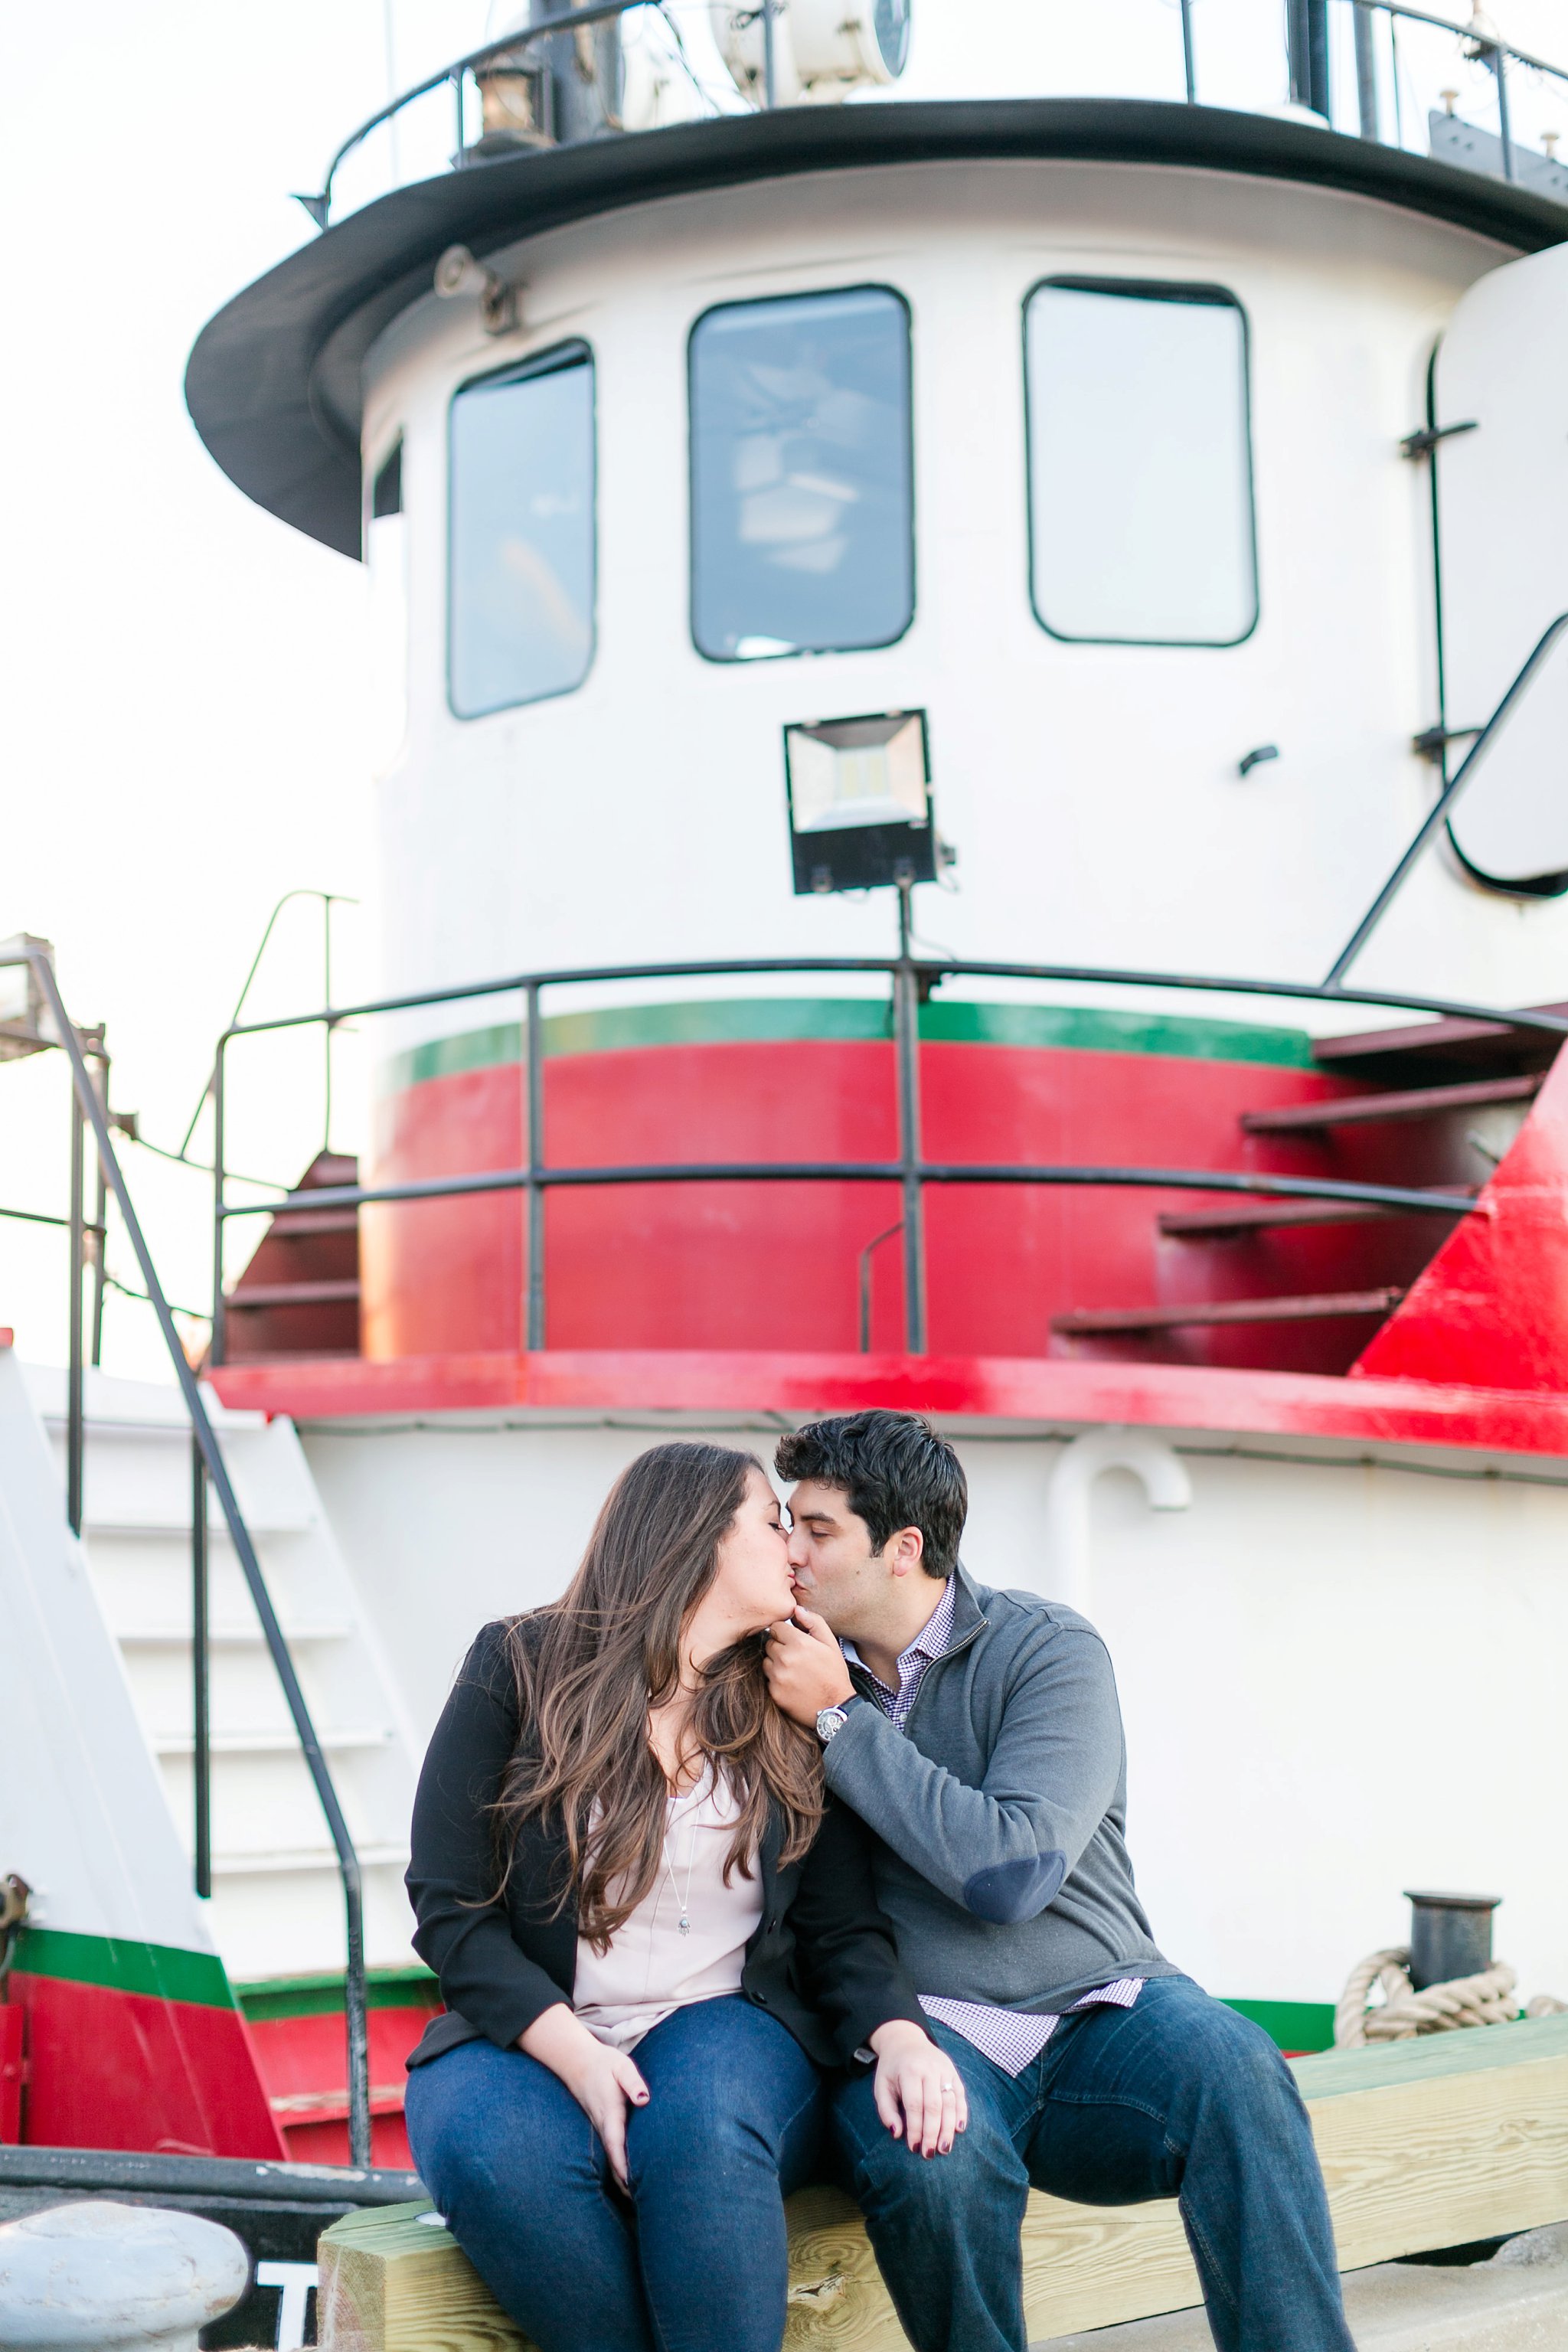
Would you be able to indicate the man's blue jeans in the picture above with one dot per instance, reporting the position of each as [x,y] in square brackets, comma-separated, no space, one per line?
[697,2261]
[1177,2096]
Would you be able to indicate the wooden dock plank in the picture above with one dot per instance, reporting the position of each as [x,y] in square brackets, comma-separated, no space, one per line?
[1427,2143]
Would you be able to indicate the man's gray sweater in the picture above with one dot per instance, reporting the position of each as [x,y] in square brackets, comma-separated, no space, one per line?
[1001,1806]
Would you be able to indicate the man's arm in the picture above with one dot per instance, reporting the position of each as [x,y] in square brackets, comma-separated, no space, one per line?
[1003,1850]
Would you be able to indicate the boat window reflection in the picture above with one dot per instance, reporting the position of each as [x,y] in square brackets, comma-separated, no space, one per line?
[1140,518]
[521,601]
[802,500]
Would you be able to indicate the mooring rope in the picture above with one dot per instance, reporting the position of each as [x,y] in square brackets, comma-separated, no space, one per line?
[1403,2013]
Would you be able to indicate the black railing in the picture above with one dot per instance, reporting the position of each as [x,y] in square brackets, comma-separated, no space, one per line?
[89,1109]
[1306,25]
[912,979]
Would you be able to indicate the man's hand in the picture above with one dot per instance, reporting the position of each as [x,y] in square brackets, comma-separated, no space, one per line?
[918,2089]
[602,2081]
[805,1668]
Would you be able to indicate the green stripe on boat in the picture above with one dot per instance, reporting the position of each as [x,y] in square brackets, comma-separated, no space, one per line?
[162,1971]
[774,1020]
[1292,2025]
[322,1996]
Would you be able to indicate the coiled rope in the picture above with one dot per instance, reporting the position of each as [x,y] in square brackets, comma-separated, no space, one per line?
[1403,2013]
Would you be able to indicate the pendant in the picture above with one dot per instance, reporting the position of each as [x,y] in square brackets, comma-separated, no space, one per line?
[684,1924]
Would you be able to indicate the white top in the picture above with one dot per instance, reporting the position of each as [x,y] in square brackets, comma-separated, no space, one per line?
[653,1967]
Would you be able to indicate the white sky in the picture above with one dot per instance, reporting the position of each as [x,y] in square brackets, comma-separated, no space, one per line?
[180,724]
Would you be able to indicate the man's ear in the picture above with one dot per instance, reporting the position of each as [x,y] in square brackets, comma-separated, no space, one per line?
[904,1551]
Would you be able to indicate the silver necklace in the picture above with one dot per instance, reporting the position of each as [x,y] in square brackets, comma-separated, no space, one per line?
[683,1924]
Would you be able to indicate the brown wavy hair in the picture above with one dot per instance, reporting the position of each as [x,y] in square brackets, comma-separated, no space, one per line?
[589,1667]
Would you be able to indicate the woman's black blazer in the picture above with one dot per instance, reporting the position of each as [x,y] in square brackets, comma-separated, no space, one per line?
[821,1960]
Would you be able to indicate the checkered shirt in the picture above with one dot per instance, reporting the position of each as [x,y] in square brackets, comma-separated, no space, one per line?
[1010,2038]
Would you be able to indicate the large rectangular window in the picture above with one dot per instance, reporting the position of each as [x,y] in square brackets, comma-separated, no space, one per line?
[1140,524]
[521,588]
[802,502]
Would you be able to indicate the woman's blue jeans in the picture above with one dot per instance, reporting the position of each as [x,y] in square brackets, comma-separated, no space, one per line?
[1176,2097]
[696,2261]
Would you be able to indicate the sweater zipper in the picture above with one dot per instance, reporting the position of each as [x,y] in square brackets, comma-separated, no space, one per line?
[956,1651]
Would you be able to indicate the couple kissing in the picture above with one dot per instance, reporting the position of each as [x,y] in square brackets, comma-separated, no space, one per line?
[774,1853]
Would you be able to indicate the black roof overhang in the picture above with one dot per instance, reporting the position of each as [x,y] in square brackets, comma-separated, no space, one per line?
[274,381]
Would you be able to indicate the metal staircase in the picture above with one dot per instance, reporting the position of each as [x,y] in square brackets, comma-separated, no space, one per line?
[1476,1068]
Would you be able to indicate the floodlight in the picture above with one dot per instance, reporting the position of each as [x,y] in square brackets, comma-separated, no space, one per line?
[823,49]
[860,809]
[26,1024]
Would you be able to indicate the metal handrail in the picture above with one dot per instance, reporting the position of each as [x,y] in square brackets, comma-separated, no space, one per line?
[910,978]
[1486,45]
[1438,812]
[597,12]
[88,1109]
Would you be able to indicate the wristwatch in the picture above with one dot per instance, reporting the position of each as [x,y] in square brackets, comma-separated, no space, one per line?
[830,1719]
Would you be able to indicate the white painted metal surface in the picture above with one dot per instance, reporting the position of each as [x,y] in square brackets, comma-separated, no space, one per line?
[82,1814]
[1092,790]
[1499,370]
[277,1906]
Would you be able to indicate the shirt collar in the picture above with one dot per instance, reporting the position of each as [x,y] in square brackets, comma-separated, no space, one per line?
[932,1640]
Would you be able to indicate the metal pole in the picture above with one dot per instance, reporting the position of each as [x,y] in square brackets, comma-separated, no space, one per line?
[219,1331]
[1188,65]
[907,1043]
[1505,129]
[200,1718]
[99,1228]
[73,1359]
[327,1025]
[533,1051]
[1365,72]
[251,1569]
[770,65]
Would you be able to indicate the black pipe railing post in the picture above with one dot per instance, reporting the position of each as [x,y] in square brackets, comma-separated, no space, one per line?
[75,1417]
[1365,72]
[1505,128]
[201,1691]
[533,1065]
[770,55]
[219,1318]
[251,1569]
[1189,64]
[907,1054]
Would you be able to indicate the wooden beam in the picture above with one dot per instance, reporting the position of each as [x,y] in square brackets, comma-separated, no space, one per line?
[1429,2143]
[1373,1110]
[1085,1321]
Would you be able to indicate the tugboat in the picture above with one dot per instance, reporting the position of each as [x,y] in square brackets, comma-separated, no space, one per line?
[974,695]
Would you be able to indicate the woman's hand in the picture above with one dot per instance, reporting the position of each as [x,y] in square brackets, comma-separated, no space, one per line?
[602,2081]
[919,2090]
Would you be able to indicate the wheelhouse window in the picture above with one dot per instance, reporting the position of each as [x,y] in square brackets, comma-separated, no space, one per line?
[802,497]
[1141,519]
[520,597]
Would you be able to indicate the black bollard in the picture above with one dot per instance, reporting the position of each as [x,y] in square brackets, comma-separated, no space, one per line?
[1451,1935]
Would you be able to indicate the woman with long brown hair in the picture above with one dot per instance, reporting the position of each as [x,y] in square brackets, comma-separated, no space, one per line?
[621,1845]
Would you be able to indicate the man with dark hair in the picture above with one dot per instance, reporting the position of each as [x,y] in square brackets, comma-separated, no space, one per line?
[978,1733]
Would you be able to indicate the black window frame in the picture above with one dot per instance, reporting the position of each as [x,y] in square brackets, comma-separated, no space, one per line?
[750,302]
[575,352]
[1200,293]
